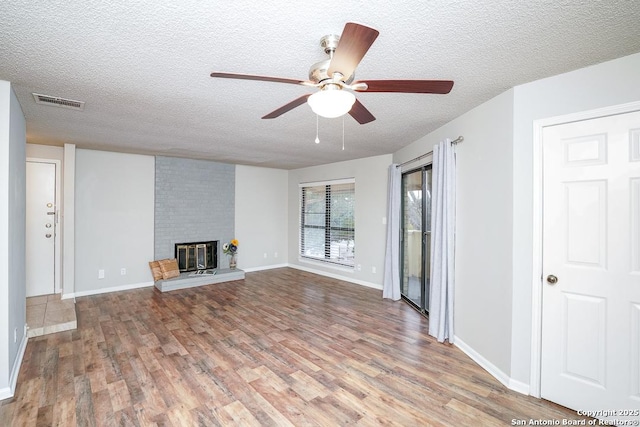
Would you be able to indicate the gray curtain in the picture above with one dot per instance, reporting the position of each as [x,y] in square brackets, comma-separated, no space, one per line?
[443,205]
[391,282]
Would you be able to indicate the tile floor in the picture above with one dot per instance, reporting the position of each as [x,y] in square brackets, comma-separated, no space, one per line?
[48,314]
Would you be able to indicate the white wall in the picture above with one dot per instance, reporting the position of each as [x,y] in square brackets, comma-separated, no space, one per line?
[261,217]
[69,221]
[12,238]
[371,206]
[5,114]
[45,152]
[114,217]
[483,225]
[610,83]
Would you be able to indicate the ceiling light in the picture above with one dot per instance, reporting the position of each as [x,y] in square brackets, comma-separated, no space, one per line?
[331,101]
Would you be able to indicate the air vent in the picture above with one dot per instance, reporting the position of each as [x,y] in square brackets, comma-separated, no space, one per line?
[55,101]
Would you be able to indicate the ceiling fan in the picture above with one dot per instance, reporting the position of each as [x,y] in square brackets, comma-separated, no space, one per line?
[334,77]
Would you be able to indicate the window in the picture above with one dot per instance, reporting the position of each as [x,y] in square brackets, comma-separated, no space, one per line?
[327,221]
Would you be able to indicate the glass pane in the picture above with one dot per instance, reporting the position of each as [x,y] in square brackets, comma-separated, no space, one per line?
[314,206]
[342,223]
[342,198]
[342,246]
[411,285]
[427,184]
[427,243]
[314,242]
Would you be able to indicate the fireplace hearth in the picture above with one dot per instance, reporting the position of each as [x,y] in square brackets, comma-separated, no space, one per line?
[196,256]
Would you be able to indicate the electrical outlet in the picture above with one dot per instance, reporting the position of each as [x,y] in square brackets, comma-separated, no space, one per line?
[373,270]
[100,274]
[265,255]
[123,271]
[384,220]
[359,267]
[275,254]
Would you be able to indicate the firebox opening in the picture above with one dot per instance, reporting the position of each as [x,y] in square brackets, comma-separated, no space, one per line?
[196,256]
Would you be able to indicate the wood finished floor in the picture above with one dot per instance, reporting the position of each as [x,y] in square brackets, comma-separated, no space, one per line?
[282,348]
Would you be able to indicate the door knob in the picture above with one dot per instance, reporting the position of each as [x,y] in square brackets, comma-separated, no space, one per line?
[552,279]
[47,235]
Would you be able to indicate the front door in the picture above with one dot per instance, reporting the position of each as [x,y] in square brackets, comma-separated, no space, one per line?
[591,264]
[41,228]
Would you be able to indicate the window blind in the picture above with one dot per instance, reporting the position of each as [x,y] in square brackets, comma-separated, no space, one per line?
[327,222]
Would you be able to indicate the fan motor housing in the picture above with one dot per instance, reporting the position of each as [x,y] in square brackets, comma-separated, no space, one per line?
[318,72]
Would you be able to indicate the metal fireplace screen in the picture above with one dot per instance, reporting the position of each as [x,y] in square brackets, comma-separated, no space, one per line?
[197,255]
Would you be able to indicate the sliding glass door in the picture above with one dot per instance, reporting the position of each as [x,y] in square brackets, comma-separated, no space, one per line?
[416,237]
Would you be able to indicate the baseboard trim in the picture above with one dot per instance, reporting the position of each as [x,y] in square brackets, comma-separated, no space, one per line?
[519,386]
[492,369]
[336,276]
[5,393]
[264,267]
[8,392]
[108,290]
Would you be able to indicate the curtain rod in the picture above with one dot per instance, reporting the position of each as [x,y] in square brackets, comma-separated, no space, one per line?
[454,142]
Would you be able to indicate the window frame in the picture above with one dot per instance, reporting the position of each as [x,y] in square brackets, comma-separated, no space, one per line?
[327,226]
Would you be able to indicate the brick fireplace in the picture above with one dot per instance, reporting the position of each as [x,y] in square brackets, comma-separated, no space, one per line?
[194,204]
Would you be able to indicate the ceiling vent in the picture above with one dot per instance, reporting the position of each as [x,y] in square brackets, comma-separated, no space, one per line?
[55,101]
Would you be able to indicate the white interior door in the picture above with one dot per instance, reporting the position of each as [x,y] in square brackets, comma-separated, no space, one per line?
[41,228]
[591,244]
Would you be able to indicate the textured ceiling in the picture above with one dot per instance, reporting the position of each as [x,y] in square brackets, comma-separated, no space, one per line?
[143,69]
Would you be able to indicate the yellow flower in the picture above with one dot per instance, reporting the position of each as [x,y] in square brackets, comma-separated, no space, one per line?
[234,242]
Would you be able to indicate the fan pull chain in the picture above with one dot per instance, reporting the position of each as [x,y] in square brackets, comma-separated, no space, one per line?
[342,133]
[317,139]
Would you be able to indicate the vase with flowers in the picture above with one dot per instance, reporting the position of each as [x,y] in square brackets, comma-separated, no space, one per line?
[231,249]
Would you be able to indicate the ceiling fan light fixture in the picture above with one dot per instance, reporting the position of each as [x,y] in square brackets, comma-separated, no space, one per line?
[331,103]
[334,99]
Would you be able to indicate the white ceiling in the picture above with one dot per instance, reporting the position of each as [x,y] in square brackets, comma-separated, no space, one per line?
[143,69]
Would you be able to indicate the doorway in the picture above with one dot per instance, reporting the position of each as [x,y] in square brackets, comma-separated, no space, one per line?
[588,306]
[42,218]
[416,237]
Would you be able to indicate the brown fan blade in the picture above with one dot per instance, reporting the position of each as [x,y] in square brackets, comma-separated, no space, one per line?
[361,114]
[354,43]
[287,107]
[260,78]
[407,86]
